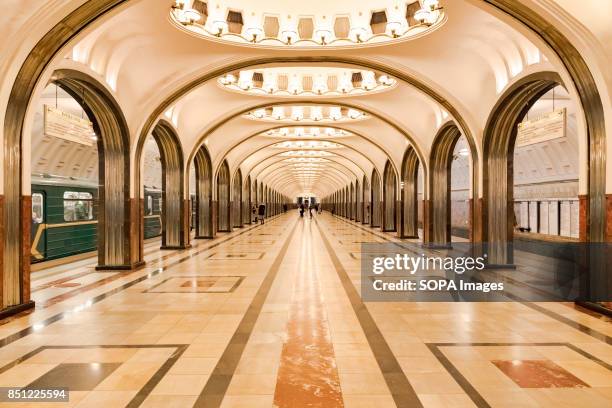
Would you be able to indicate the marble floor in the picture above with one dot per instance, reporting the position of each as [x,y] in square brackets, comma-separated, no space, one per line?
[270,316]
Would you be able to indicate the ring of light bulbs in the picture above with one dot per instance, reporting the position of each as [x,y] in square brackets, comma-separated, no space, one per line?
[319,114]
[308,144]
[307,153]
[243,82]
[309,132]
[306,160]
[429,17]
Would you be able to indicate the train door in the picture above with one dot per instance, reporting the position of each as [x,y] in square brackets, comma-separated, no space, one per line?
[38,232]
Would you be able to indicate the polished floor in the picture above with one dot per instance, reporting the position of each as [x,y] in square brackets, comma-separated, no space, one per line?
[270,316]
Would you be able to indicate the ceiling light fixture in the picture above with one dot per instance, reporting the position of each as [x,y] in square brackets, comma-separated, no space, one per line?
[304,81]
[430,13]
[323,33]
[245,80]
[306,132]
[314,113]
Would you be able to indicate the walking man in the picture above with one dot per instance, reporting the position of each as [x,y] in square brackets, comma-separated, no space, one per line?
[262,212]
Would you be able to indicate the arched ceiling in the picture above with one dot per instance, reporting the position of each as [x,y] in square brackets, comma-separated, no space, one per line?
[143,59]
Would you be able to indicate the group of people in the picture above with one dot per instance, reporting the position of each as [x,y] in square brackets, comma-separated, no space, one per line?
[316,207]
[259,212]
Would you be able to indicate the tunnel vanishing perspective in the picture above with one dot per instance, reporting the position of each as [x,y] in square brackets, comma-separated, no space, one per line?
[234,203]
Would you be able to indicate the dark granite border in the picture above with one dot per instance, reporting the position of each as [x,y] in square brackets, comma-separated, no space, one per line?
[401,390]
[562,319]
[46,322]
[214,391]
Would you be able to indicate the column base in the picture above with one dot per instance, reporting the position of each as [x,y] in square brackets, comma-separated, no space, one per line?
[13,310]
[134,266]
[201,237]
[595,307]
[500,266]
[163,247]
[431,245]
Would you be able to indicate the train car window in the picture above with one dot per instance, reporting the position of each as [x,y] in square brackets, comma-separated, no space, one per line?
[78,206]
[149,205]
[38,208]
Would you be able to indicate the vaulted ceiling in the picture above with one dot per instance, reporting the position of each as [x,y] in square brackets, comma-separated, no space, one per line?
[157,69]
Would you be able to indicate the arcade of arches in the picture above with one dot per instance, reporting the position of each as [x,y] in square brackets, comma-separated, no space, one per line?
[190,188]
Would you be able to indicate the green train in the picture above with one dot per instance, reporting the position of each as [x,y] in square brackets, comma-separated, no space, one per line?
[65,217]
[152,212]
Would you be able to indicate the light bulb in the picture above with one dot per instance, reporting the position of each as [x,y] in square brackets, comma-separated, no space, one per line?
[354,114]
[335,113]
[323,36]
[289,36]
[278,112]
[297,113]
[385,80]
[369,81]
[346,84]
[219,27]
[394,28]
[254,34]
[422,15]
[430,4]
[295,84]
[320,84]
[245,80]
[359,34]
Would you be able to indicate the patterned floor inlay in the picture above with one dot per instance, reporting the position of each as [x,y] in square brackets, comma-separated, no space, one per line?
[247,242]
[538,374]
[493,373]
[243,256]
[106,375]
[197,284]
[213,333]
[79,376]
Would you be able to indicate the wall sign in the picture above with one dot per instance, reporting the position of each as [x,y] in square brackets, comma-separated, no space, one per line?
[67,126]
[545,127]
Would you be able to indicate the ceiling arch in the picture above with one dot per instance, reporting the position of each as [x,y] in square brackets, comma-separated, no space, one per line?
[265,143]
[276,155]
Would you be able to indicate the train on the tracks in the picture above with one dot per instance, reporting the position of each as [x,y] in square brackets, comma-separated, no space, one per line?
[65,217]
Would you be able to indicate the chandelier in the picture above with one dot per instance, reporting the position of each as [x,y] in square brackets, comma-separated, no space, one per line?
[306,160]
[321,114]
[360,27]
[306,82]
[311,132]
[311,144]
[307,153]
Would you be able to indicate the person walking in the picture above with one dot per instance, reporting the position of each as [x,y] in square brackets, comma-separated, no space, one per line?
[302,210]
[262,212]
[310,211]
